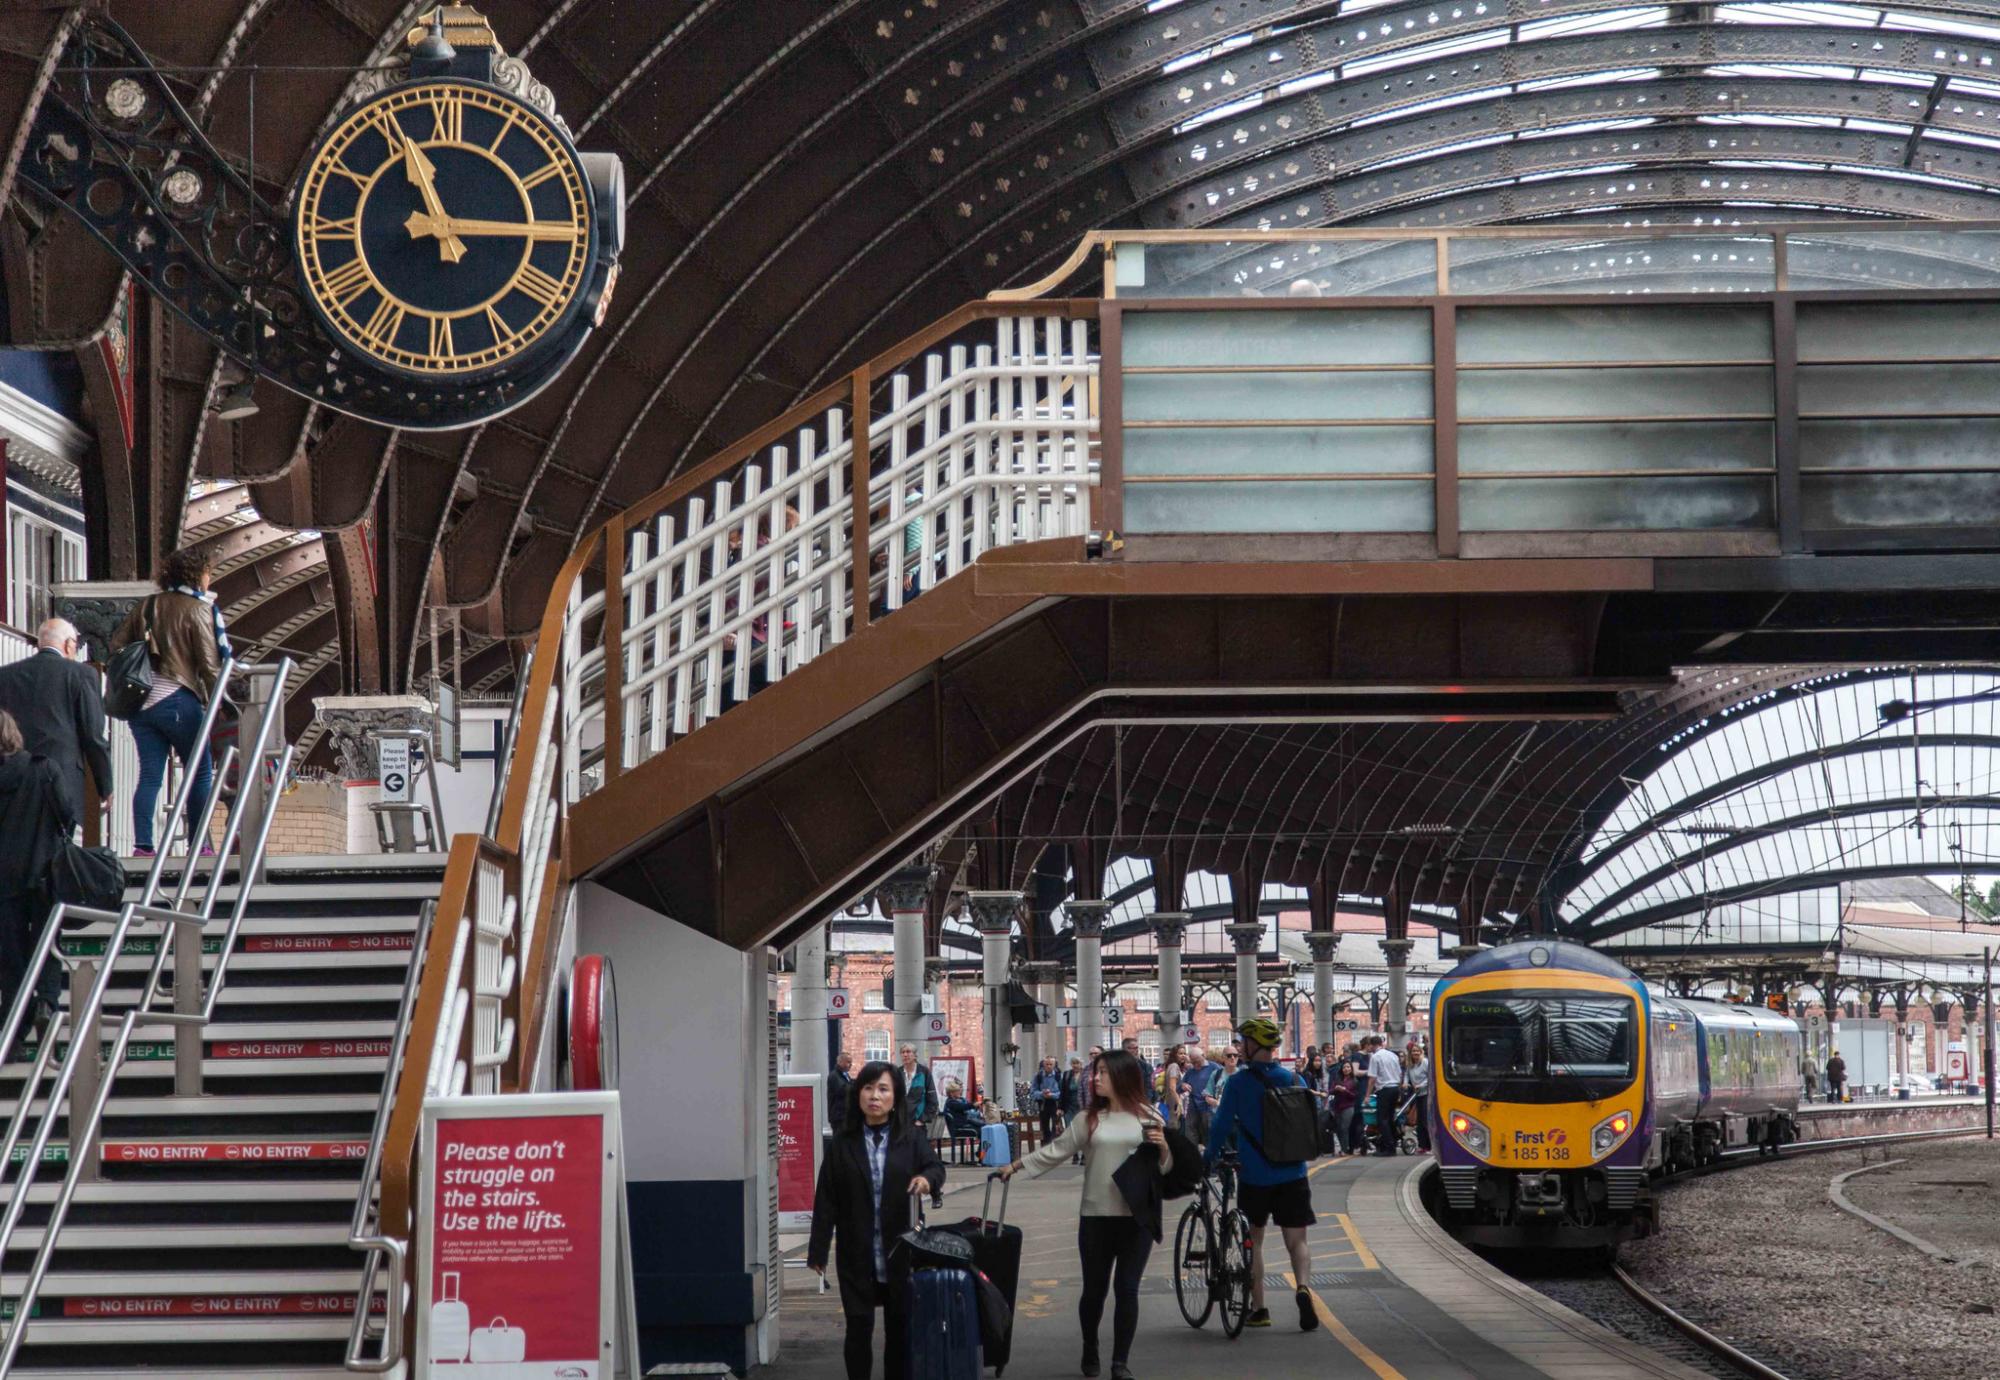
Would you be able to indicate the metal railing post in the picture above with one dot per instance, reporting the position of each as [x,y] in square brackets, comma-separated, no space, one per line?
[258,696]
[86,1050]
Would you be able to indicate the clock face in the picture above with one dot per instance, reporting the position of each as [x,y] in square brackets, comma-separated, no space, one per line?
[444,228]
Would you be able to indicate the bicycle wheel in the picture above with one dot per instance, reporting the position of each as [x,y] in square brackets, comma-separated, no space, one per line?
[1231,1272]
[1194,1249]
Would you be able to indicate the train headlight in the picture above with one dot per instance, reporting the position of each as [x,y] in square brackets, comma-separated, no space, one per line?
[1610,1133]
[1469,1133]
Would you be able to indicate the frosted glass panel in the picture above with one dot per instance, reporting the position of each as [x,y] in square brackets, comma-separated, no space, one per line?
[1624,392]
[1970,443]
[1180,397]
[1326,336]
[1535,335]
[1902,500]
[1916,389]
[1304,506]
[1614,446]
[1898,330]
[1601,505]
[1277,450]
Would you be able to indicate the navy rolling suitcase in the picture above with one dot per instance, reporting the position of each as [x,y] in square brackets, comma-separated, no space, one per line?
[996,1253]
[944,1325]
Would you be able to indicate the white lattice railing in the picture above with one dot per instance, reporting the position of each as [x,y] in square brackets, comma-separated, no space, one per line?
[751,575]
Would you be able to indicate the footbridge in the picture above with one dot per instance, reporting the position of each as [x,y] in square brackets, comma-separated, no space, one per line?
[1369,562]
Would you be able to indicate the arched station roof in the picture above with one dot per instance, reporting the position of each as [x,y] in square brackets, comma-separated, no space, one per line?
[1799,789]
[813,179]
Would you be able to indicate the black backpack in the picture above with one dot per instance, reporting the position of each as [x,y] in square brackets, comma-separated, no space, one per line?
[1291,1126]
[128,676]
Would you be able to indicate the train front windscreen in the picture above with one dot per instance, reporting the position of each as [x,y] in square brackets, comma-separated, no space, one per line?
[1540,1047]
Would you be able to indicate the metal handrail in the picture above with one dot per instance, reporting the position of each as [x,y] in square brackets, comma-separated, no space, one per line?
[184,928]
[364,1231]
[503,763]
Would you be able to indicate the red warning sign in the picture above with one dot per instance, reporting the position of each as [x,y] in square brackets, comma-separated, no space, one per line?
[324,943]
[299,1049]
[222,1151]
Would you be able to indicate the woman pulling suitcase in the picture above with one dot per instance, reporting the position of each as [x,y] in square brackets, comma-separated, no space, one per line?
[1110,1236]
[875,1165]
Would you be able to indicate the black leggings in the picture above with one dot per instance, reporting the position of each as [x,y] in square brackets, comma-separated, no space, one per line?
[1051,1122]
[1105,1243]
[860,1348]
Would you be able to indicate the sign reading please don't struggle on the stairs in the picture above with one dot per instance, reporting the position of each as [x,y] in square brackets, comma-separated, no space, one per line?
[520,1222]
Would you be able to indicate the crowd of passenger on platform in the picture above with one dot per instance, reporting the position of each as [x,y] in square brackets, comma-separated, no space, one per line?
[53,728]
[1114,1114]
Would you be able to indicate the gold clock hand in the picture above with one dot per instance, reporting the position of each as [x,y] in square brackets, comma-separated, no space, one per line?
[527,229]
[420,170]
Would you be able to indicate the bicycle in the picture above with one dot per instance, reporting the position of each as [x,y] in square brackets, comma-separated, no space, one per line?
[1212,1253]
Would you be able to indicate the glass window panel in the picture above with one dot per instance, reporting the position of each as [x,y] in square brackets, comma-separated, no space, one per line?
[1622,392]
[1535,335]
[1308,506]
[1325,336]
[1596,446]
[1275,450]
[1897,330]
[1892,259]
[1204,397]
[1889,501]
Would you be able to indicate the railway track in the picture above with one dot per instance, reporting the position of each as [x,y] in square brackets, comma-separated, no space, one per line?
[1719,1350]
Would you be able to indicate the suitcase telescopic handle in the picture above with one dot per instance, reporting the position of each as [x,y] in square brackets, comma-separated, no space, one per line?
[987,1221]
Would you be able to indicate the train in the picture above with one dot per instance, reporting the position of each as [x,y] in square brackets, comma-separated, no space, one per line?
[1561,1087]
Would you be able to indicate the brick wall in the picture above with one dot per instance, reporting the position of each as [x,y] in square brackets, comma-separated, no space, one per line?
[311,819]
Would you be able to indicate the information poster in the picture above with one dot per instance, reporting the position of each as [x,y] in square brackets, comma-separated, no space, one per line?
[520,1199]
[954,1069]
[800,1122]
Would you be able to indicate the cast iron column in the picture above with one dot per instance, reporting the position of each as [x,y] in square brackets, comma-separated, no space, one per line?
[1248,939]
[1397,1024]
[1323,946]
[1169,928]
[993,915]
[809,1002]
[1086,920]
[1044,979]
[902,896]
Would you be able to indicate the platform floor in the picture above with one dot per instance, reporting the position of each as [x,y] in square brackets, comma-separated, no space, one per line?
[1396,1298]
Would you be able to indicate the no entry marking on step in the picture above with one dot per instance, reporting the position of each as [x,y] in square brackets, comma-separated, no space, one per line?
[216,1151]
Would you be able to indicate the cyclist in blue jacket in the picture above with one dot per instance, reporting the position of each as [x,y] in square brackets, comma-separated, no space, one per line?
[1265,1191]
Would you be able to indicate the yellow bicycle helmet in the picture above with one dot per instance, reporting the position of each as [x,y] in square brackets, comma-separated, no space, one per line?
[1262,1031]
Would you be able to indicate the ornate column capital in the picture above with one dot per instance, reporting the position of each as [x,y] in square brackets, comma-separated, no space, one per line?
[97,607]
[1247,938]
[1323,943]
[1397,951]
[993,912]
[1169,927]
[934,972]
[356,722]
[1041,971]
[906,889]
[1086,918]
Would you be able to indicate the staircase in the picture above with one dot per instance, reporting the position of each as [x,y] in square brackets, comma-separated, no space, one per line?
[215,1241]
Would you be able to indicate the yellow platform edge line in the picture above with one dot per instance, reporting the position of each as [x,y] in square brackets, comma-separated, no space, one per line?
[1362,1351]
[1368,1260]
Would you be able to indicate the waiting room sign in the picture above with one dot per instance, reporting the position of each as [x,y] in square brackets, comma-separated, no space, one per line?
[520,1263]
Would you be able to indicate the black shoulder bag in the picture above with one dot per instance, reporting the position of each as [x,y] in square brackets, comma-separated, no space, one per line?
[128,676]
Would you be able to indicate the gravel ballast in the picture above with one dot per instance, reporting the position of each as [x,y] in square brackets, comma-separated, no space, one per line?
[1762,1257]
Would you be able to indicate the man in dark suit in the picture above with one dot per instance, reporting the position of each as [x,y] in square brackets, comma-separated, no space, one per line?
[837,1084]
[59,704]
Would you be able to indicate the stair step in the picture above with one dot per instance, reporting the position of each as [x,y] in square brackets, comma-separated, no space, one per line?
[149,1283]
[328,1321]
[206,1372]
[217,1105]
[166,1236]
[196,1191]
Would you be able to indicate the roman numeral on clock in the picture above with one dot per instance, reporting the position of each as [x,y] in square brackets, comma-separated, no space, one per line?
[441,346]
[323,228]
[448,118]
[384,322]
[539,285]
[348,282]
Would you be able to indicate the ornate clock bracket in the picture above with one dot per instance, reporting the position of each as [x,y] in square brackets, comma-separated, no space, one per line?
[112,145]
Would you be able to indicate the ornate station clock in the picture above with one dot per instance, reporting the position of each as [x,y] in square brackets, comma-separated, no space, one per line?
[445,252]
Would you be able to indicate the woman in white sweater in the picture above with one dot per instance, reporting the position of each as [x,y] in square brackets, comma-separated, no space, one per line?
[1108,1237]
